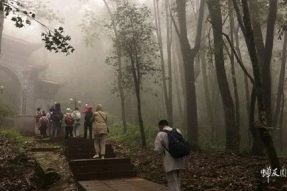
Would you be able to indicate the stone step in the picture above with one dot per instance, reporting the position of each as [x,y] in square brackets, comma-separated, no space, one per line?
[86,152]
[80,152]
[81,162]
[45,149]
[105,175]
[87,155]
[88,169]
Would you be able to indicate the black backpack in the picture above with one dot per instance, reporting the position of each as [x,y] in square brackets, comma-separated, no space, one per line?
[178,147]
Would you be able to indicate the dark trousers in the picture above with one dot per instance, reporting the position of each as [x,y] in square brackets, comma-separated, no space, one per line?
[69,131]
[43,130]
[56,129]
[90,128]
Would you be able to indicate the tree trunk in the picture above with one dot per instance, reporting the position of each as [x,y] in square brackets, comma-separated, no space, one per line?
[119,57]
[246,27]
[2,17]
[228,105]
[234,80]
[267,81]
[281,124]
[169,43]
[280,90]
[189,55]
[163,70]
[208,104]
[137,84]
[205,79]
[257,146]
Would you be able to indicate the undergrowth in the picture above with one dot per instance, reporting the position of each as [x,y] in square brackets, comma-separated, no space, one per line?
[132,136]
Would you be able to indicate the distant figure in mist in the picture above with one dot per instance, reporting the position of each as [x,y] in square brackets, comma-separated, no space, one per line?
[76,114]
[88,124]
[69,122]
[43,124]
[172,166]
[37,116]
[100,129]
[57,117]
[49,116]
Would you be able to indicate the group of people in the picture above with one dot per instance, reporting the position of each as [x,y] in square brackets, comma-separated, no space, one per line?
[95,125]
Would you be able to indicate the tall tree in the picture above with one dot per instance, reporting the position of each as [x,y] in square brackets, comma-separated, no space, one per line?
[232,138]
[135,32]
[258,90]
[166,78]
[189,55]
[119,69]
[280,89]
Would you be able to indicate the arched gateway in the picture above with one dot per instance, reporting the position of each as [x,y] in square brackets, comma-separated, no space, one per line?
[28,88]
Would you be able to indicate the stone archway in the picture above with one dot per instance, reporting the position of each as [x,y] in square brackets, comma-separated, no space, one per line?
[13,91]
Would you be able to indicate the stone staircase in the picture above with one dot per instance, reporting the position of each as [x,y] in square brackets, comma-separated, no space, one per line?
[80,151]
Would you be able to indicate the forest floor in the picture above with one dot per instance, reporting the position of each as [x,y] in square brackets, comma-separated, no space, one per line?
[208,171]
[18,170]
[23,170]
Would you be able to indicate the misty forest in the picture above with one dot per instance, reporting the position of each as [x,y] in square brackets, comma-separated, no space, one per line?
[89,87]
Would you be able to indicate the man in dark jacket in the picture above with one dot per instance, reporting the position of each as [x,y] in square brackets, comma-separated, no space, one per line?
[89,118]
[57,117]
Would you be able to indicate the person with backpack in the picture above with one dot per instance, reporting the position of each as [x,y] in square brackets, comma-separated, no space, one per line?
[37,116]
[57,117]
[43,124]
[88,124]
[69,122]
[170,143]
[100,129]
[77,118]
[50,126]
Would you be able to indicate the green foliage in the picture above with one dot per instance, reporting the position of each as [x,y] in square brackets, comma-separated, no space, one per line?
[14,135]
[5,111]
[135,44]
[55,40]
[132,136]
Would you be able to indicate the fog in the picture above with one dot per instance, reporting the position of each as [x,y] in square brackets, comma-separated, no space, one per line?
[85,75]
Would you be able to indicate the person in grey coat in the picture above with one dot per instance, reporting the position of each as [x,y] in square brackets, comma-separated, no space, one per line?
[172,166]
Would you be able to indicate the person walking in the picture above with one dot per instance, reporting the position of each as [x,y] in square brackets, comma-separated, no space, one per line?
[37,116]
[76,114]
[43,124]
[88,124]
[100,129]
[69,121]
[172,166]
[50,126]
[57,117]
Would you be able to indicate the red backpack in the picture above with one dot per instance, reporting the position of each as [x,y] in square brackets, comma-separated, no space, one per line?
[69,120]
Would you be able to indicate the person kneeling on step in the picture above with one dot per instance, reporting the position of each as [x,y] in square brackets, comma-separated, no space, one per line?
[100,130]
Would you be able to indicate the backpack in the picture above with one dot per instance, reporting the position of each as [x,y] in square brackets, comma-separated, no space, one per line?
[76,115]
[69,120]
[38,116]
[178,147]
[44,121]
